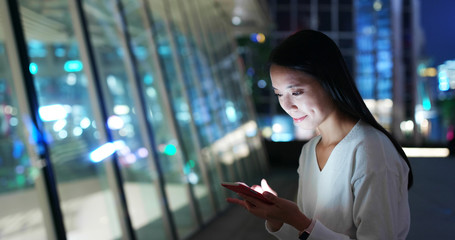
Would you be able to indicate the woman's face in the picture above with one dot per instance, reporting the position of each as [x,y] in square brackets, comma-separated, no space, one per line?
[301,96]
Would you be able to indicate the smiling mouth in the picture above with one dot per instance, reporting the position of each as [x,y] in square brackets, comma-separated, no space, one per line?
[299,119]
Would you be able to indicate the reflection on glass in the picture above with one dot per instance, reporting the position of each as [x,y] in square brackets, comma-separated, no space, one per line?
[233,110]
[194,106]
[176,172]
[206,95]
[65,108]
[184,48]
[138,175]
[20,215]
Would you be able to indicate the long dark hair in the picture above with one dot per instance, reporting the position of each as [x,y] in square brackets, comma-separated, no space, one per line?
[316,54]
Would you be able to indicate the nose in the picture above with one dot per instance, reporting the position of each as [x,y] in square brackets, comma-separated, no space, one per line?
[287,104]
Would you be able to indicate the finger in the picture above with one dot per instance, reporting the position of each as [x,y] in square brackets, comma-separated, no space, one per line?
[254,201]
[271,197]
[237,201]
[257,188]
[265,187]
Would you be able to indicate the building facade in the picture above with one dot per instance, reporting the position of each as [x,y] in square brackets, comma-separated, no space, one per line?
[120,119]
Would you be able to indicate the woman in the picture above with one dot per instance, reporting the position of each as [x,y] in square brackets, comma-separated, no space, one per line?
[353,176]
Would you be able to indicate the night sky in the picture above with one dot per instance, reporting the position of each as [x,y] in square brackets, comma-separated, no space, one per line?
[438,23]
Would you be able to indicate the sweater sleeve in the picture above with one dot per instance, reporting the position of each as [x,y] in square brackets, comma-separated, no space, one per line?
[286,232]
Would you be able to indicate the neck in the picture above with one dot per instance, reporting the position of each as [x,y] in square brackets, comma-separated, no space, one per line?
[335,128]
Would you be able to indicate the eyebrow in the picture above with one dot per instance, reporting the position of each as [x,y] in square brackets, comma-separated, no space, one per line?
[290,86]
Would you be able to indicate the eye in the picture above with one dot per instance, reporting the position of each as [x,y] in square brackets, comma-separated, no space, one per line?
[278,95]
[297,93]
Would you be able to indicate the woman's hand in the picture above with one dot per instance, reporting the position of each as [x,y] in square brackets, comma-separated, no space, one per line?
[280,211]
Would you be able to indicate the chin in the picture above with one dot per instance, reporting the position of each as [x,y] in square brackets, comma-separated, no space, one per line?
[305,126]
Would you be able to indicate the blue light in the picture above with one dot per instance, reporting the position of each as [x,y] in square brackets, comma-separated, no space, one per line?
[426,104]
[282,137]
[59,52]
[52,112]
[170,150]
[33,68]
[73,66]
[148,79]
[250,72]
[164,50]
[231,112]
[443,81]
[253,37]
[262,83]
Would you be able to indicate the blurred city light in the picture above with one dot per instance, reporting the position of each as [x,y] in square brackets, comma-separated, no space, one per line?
[121,109]
[62,134]
[164,50]
[282,129]
[426,104]
[407,126]
[115,122]
[257,37]
[73,66]
[446,76]
[142,152]
[105,150]
[148,79]
[33,68]
[443,81]
[230,112]
[71,79]
[426,152]
[236,20]
[59,125]
[77,131]
[52,112]
[377,5]
[170,150]
[85,123]
[277,128]
[428,72]
[262,83]
[193,178]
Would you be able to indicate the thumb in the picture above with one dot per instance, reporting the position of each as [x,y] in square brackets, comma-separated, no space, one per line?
[265,186]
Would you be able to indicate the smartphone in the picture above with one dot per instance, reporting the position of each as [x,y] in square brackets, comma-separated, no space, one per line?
[240,187]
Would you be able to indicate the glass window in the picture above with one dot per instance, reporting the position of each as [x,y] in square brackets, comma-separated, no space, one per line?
[346,43]
[139,176]
[345,22]
[324,21]
[283,20]
[20,216]
[213,96]
[245,165]
[65,108]
[304,18]
[347,2]
[176,167]
[186,48]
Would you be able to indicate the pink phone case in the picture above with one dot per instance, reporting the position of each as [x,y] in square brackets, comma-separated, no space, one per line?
[240,187]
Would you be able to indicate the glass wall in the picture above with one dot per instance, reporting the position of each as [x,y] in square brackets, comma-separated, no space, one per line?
[70,128]
[21,215]
[144,113]
[138,174]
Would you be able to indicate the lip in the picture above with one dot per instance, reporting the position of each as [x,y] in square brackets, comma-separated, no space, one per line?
[299,119]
